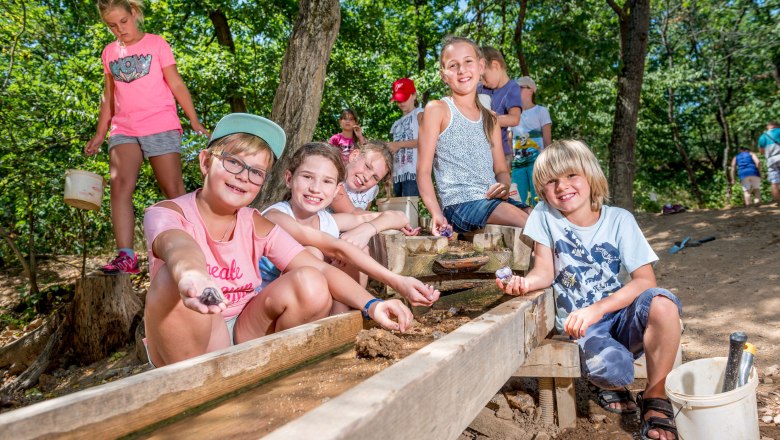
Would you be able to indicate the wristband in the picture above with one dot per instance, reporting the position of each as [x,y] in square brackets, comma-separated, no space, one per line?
[368,304]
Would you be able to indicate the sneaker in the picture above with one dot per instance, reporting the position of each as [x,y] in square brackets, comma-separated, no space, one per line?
[122,263]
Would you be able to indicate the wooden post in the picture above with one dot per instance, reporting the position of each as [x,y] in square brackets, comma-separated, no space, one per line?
[103,311]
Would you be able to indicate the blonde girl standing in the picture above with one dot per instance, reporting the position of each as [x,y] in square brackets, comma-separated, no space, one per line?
[138,111]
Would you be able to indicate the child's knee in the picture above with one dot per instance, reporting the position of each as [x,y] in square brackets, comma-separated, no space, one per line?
[662,307]
[311,289]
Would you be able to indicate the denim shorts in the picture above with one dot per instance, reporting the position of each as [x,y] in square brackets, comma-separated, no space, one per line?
[152,145]
[470,216]
[407,188]
[610,346]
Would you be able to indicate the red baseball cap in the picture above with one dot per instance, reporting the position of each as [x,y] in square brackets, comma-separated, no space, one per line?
[403,89]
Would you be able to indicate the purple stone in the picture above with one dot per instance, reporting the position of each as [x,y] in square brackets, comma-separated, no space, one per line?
[504,274]
[446,231]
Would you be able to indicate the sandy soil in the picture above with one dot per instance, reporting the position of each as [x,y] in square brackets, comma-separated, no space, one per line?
[729,284]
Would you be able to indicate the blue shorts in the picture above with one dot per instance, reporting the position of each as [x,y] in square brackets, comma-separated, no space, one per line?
[470,216]
[609,347]
[407,188]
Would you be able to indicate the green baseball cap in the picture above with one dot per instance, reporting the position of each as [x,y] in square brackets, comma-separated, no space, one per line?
[259,126]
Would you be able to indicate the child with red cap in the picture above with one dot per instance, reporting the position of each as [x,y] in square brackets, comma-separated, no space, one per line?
[404,133]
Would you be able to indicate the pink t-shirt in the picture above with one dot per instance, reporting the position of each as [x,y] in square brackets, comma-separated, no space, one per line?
[143,102]
[345,145]
[232,264]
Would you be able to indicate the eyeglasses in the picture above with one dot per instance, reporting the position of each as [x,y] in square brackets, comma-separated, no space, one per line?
[234,165]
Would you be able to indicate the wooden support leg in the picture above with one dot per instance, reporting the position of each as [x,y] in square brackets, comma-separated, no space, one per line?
[565,402]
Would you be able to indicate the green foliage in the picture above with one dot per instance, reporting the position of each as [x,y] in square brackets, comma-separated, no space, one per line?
[723,56]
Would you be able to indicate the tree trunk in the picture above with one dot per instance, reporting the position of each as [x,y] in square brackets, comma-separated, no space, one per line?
[225,39]
[634,27]
[298,98]
[519,38]
[104,308]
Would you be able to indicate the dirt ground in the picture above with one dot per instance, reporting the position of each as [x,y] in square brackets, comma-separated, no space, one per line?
[729,284]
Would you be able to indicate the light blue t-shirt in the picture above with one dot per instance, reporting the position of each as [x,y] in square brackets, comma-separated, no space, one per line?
[770,143]
[589,262]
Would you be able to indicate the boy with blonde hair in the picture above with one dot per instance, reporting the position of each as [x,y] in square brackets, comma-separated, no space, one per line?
[600,267]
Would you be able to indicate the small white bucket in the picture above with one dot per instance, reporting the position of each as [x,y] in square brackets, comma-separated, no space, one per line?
[702,411]
[408,205]
[84,189]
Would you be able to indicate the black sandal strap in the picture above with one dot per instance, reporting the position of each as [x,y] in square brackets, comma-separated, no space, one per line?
[659,423]
[663,406]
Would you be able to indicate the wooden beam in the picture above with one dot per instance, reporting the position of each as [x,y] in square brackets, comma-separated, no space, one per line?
[436,392]
[124,406]
[552,358]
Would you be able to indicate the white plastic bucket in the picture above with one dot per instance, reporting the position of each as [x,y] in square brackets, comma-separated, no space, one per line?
[408,205]
[702,411]
[84,189]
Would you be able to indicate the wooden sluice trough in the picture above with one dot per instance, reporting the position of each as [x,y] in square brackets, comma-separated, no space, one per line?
[433,393]
[420,256]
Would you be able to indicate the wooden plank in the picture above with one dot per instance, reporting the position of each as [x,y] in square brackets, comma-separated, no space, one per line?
[565,402]
[124,406]
[552,358]
[436,392]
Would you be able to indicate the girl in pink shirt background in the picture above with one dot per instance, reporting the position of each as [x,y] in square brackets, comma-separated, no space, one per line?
[210,240]
[351,134]
[138,110]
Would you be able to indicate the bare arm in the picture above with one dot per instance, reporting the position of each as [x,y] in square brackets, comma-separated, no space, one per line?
[104,117]
[546,135]
[757,163]
[187,264]
[182,95]
[510,119]
[395,146]
[436,115]
[501,189]
[411,288]
[540,277]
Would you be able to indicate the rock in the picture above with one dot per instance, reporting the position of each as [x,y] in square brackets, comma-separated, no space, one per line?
[542,436]
[772,370]
[378,343]
[522,401]
[500,405]
[597,418]
[766,419]
[777,419]
[768,380]
[488,425]
[438,335]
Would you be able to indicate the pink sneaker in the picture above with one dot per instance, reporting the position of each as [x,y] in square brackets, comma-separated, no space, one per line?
[122,263]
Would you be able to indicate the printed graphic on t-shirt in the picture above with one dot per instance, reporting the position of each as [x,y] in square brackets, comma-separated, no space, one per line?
[231,273]
[130,68]
[590,276]
[404,132]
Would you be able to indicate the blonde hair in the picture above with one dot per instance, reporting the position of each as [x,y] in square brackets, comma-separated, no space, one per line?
[104,6]
[382,149]
[488,119]
[240,143]
[563,157]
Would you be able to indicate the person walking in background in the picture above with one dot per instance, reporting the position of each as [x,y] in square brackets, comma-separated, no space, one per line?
[351,134]
[405,132]
[504,93]
[529,138]
[769,146]
[138,109]
[749,174]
